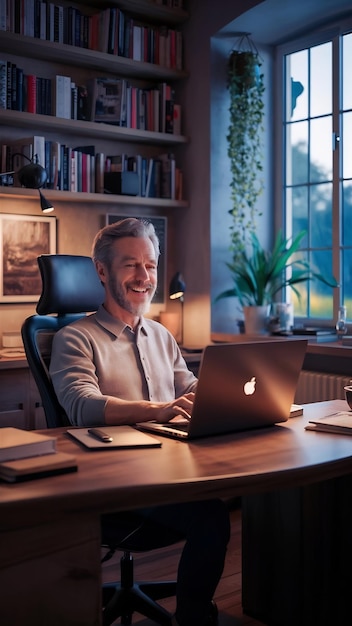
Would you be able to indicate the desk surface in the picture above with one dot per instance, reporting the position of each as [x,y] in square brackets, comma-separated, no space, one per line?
[237,464]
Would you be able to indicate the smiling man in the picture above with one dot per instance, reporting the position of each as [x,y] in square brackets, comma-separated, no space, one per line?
[117,367]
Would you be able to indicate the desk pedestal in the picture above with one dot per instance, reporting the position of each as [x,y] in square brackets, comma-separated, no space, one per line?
[51,577]
[297,555]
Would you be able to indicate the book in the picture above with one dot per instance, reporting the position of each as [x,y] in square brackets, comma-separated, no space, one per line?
[177,119]
[296,410]
[317,335]
[106,100]
[30,82]
[63,96]
[339,423]
[313,331]
[37,467]
[83,112]
[3,84]
[150,179]
[19,444]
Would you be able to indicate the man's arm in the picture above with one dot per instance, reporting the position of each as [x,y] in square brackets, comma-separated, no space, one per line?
[98,379]
[119,411]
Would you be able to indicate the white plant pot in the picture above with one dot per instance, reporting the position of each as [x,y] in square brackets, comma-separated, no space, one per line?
[256,319]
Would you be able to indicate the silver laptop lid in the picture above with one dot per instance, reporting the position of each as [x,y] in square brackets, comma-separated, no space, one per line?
[246,385]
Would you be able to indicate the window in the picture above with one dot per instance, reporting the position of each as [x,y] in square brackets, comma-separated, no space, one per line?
[316,187]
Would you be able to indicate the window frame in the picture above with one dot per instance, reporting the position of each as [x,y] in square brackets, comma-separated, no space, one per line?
[318,36]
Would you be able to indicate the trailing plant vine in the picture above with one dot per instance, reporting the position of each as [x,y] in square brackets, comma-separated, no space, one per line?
[246,88]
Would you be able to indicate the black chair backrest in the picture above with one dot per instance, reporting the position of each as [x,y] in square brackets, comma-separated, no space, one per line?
[70,289]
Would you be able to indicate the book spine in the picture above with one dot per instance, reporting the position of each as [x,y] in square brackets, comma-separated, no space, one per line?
[43,21]
[3,16]
[8,84]
[74,101]
[63,96]
[169,110]
[31,84]
[19,89]
[3,85]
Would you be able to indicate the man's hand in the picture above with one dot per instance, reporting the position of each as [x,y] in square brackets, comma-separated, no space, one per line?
[180,406]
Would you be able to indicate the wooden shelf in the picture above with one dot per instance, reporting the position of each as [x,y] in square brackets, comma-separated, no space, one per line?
[86,129]
[143,9]
[82,57]
[25,47]
[91,198]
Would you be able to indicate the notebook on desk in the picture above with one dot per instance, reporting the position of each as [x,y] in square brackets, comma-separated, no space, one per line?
[241,386]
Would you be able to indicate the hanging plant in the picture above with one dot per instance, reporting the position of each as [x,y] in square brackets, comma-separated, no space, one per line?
[246,87]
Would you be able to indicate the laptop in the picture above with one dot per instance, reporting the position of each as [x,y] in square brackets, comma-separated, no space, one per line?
[241,386]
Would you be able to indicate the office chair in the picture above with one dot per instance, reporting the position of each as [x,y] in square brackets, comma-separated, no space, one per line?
[70,288]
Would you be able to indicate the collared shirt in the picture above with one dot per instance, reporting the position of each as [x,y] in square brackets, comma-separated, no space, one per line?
[99,356]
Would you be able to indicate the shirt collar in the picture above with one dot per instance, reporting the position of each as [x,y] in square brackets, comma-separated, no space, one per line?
[115,325]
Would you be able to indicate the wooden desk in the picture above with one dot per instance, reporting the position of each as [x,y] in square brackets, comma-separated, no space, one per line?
[50,528]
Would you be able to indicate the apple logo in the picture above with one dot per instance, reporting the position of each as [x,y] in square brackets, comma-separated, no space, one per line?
[249,387]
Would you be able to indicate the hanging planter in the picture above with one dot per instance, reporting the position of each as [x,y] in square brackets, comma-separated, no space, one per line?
[243,68]
[246,88]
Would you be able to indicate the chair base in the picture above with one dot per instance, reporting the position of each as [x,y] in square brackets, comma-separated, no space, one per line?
[122,602]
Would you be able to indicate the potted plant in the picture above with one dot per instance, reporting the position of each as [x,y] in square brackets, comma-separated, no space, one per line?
[246,88]
[259,275]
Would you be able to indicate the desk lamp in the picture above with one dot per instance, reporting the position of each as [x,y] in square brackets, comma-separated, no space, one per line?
[176,292]
[32,176]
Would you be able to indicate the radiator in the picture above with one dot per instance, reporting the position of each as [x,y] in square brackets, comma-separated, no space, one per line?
[316,386]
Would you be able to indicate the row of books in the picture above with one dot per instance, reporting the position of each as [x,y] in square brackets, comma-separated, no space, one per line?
[34,94]
[113,101]
[111,30]
[82,169]
[117,101]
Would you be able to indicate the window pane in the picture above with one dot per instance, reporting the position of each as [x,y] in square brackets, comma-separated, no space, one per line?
[347,145]
[347,214]
[300,305]
[346,295]
[299,211]
[297,85]
[346,71]
[321,216]
[321,296]
[321,80]
[297,153]
[321,149]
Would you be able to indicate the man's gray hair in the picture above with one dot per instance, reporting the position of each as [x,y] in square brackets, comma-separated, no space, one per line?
[129,227]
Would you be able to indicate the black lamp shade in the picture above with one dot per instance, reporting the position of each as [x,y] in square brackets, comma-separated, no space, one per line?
[177,286]
[46,206]
[32,176]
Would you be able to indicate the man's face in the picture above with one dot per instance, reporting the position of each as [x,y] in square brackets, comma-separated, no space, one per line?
[132,279]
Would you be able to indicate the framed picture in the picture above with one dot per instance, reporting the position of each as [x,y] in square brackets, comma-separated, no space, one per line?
[160,225]
[23,238]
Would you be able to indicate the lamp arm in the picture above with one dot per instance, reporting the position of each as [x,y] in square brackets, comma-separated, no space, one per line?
[34,160]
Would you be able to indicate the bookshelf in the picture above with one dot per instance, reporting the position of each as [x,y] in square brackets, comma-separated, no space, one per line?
[88,62]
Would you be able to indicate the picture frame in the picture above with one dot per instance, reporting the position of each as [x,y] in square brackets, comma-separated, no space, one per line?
[22,239]
[160,225]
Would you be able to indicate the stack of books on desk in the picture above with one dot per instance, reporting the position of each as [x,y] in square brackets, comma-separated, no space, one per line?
[320,335]
[26,454]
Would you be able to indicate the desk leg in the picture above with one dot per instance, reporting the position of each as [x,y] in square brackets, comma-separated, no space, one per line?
[297,555]
[50,574]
